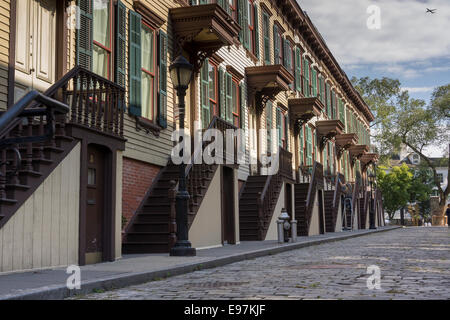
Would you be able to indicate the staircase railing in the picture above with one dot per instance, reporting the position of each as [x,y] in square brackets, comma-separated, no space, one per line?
[316,182]
[13,135]
[355,196]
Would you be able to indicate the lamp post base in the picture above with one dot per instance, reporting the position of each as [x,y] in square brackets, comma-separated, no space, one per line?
[183,249]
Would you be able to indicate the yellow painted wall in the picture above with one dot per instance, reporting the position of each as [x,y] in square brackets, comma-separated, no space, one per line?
[44,231]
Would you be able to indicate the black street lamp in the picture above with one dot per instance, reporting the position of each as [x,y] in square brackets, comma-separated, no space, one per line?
[181,73]
[372,204]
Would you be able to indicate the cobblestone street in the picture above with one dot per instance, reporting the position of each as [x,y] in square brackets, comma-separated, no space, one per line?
[414,263]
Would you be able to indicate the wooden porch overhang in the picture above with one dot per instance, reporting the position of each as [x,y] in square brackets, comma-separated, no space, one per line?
[301,110]
[265,82]
[328,129]
[367,159]
[201,30]
[357,151]
[345,141]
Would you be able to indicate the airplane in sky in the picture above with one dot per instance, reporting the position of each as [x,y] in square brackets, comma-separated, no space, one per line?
[431,11]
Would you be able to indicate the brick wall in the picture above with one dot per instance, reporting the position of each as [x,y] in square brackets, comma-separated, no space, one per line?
[137,179]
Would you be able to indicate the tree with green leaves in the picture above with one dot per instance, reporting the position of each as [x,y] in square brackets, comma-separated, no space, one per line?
[402,120]
[395,187]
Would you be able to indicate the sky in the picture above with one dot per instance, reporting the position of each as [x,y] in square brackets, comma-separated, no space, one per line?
[410,44]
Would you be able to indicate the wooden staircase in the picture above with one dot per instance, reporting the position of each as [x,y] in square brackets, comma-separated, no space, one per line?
[332,199]
[37,139]
[305,194]
[153,226]
[363,208]
[259,198]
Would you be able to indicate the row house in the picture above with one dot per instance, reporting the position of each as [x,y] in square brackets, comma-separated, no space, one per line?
[102,183]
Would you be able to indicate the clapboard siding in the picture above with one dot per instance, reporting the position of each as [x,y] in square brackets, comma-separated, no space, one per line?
[44,231]
[4,51]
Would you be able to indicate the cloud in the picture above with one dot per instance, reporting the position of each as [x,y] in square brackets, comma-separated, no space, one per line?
[407,33]
[418,89]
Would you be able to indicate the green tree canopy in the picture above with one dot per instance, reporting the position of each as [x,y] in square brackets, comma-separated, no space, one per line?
[395,187]
[402,120]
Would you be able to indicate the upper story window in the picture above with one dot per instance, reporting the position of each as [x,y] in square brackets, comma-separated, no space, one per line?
[277,44]
[148,75]
[440,177]
[306,78]
[102,40]
[232,8]
[209,97]
[269,124]
[289,62]
[282,128]
[313,82]
[147,70]
[266,36]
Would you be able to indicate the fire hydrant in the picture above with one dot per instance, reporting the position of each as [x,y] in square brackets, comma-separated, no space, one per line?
[283,226]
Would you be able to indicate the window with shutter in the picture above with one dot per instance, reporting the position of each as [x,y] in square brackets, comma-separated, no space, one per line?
[102,40]
[314,82]
[269,122]
[341,111]
[85,34]
[148,70]
[306,85]
[302,146]
[279,128]
[286,131]
[162,102]
[309,146]
[246,16]
[222,97]
[331,156]
[256,31]
[204,79]
[135,65]
[298,69]
[276,45]
[325,158]
[266,35]
[120,53]
[229,98]
[328,100]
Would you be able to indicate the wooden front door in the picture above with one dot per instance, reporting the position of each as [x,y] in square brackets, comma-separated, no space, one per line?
[35,54]
[95,206]
[228,222]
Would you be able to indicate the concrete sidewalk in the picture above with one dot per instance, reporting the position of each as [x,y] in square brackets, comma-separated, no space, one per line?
[136,269]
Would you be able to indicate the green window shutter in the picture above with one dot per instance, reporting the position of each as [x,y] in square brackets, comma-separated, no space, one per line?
[285,54]
[309,145]
[162,101]
[307,89]
[269,122]
[279,128]
[240,16]
[135,63]
[301,146]
[276,45]
[321,89]
[222,97]
[328,93]
[333,105]
[286,130]
[331,156]
[266,34]
[341,111]
[325,158]
[85,34]
[245,24]
[298,70]
[256,31]
[229,98]
[204,94]
[242,105]
[314,82]
[121,16]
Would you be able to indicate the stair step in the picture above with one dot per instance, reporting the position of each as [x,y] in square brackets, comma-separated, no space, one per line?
[8,202]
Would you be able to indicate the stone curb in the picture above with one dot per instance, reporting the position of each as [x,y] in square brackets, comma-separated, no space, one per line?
[129,279]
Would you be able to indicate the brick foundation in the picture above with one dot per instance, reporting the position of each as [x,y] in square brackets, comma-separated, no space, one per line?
[138,176]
